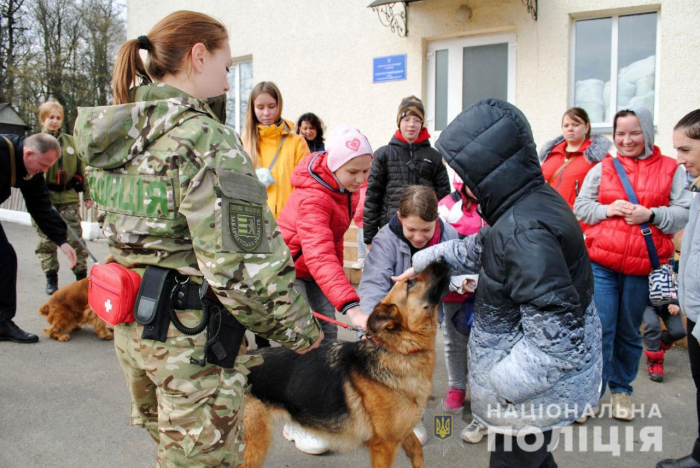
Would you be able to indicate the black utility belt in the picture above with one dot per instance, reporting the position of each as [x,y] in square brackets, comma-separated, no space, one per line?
[163,291]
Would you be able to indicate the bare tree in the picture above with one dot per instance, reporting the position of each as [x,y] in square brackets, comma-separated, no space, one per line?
[12,45]
[58,49]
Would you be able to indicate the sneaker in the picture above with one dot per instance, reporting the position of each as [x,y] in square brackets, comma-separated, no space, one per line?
[421,433]
[359,264]
[622,407]
[474,432]
[304,441]
[455,398]
[588,414]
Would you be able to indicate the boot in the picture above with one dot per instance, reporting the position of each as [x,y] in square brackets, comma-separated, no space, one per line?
[80,276]
[685,462]
[11,332]
[655,361]
[51,283]
[663,346]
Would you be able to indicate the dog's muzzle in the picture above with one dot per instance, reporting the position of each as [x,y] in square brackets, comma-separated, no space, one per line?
[438,276]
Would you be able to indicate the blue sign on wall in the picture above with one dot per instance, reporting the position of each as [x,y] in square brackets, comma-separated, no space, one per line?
[390,68]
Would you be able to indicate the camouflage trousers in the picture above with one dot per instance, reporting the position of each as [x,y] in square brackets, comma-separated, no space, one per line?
[46,250]
[194,413]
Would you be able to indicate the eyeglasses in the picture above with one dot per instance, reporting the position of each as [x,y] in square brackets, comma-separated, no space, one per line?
[412,120]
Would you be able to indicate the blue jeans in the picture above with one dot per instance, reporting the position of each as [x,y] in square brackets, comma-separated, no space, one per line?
[621,300]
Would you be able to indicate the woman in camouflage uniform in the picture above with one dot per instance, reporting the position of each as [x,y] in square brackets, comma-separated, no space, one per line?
[65,179]
[179,192]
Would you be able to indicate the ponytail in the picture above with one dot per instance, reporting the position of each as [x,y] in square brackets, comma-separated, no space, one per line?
[168,45]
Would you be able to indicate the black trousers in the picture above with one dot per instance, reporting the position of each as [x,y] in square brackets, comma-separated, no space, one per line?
[694,355]
[8,278]
[517,457]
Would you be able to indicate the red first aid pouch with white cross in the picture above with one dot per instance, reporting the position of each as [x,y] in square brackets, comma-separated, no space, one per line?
[112,292]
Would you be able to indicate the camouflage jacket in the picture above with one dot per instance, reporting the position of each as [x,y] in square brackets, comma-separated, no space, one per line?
[178,191]
[70,163]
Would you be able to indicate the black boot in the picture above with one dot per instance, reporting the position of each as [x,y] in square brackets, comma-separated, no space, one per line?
[689,461]
[51,283]
[80,276]
[11,332]
[685,462]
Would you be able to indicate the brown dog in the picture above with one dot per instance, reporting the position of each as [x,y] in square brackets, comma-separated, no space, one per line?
[370,392]
[68,309]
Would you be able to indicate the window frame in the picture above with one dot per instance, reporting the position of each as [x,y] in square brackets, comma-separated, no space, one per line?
[236,90]
[606,127]
[455,47]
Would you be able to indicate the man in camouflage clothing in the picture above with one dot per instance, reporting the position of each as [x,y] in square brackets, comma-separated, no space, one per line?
[179,192]
[64,179]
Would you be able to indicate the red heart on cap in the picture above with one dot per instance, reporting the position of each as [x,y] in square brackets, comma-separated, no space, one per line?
[353,144]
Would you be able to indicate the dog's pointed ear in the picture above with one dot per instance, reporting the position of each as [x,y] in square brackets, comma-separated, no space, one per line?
[383,316]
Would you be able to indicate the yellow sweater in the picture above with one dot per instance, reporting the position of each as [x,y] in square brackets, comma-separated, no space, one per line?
[294,149]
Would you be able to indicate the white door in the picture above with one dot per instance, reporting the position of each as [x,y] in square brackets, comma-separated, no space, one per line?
[463,71]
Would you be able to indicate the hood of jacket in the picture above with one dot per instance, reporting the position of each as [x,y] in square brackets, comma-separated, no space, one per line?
[313,173]
[108,137]
[594,148]
[646,121]
[491,148]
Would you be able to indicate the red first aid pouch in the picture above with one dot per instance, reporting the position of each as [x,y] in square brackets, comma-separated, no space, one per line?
[112,292]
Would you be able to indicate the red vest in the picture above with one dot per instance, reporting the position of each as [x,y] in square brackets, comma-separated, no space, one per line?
[617,245]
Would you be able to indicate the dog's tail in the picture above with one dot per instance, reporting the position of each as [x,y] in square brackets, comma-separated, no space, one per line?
[44,310]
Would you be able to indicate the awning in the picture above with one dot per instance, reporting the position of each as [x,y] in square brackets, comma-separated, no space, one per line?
[376,3]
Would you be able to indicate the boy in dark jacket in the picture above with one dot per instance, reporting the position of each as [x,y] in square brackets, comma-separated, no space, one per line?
[535,353]
[407,160]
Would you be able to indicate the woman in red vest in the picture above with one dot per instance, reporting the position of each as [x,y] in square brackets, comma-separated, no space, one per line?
[617,248]
[567,159]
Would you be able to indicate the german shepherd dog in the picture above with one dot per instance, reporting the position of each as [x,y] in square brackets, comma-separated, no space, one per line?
[370,392]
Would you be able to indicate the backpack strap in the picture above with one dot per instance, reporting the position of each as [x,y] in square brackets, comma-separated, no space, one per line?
[274,160]
[646,230]
[561,169]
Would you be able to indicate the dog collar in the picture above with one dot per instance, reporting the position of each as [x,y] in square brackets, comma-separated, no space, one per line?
[382,345]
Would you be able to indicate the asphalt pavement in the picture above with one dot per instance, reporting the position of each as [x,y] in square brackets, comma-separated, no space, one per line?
[66,404]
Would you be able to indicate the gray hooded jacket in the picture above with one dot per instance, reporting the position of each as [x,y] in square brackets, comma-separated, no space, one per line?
[689,273]
[669,219]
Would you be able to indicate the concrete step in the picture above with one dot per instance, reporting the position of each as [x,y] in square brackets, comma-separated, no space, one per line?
[351,233]
[353,275]
[350,250]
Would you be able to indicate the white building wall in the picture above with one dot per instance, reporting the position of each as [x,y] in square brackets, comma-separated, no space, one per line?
[319,52]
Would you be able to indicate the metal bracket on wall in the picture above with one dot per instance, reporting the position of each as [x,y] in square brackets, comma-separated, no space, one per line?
[531,8]
[396,21]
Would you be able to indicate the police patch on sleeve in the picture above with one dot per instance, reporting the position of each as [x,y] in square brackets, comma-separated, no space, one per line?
[243,199]
[246,225]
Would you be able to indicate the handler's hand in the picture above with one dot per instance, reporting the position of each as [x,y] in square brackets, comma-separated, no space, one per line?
[313,346]
[70,253]
[357,317]
[673,309]
[410,273]
[89,204]
[619,208]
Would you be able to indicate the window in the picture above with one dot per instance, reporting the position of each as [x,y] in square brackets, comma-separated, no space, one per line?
[463,71]
[614,65]
[240,78]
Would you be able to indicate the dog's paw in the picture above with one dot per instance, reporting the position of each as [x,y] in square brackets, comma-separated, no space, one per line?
[105,336]
[62,337]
